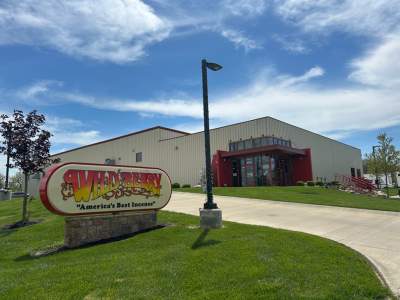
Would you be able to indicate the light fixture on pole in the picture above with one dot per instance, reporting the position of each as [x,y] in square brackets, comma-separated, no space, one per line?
[215,67]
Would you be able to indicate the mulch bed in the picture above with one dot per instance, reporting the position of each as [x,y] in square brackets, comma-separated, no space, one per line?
[20,224]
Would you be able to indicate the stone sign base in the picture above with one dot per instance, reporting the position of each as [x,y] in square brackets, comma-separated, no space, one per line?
[87,229]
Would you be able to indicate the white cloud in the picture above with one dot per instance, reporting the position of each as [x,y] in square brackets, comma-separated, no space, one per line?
[362,17]
[336,112]
[77,138]
[66,131]
[113,30]
[116,30]
[190,127]
[238,38]
[381,66]
[293,45]
[248,8]
[39,87]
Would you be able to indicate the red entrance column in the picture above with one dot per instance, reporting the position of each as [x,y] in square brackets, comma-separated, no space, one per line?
[223,168]
[302,167]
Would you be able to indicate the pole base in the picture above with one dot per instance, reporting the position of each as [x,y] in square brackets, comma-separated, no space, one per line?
[211,205]
[210,218]
[5,194]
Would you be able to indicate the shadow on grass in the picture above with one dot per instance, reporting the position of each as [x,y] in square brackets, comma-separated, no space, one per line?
[42,253]
[200,240]
[5,233]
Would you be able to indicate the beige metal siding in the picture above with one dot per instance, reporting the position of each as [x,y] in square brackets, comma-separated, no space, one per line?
[168,134]
[184,163]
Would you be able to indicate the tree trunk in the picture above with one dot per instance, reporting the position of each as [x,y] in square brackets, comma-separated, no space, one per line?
[387,188]
[25,198]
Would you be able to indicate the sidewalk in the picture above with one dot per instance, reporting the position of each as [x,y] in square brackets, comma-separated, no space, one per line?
[375,234]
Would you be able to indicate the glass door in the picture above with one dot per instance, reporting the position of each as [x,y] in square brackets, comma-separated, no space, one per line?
[249,176]
[235,173]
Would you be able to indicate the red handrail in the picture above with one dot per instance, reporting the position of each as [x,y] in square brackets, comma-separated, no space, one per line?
[361,185]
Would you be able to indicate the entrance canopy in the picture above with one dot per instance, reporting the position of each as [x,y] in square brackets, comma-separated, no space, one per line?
[276,148]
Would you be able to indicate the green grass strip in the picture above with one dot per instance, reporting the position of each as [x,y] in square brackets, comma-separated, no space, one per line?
[180,262]
[304,194]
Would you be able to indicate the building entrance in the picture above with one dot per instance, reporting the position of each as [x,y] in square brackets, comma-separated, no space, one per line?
[262,170]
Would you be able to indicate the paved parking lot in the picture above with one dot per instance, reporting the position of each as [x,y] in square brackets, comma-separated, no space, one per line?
[375,234]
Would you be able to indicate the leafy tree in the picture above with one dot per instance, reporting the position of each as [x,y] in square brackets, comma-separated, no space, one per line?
[365,166]
[16,182]
[27,145]
[386,159]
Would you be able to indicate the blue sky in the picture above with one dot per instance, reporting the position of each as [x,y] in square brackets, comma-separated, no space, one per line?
[105,68]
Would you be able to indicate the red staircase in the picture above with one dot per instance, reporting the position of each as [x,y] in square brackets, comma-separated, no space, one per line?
[361,185]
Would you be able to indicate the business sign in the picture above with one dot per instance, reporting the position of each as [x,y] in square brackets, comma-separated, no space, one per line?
[82,189]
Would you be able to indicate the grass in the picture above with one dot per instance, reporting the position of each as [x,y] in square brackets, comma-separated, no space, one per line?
[392,191]
[304,194]
[180,262]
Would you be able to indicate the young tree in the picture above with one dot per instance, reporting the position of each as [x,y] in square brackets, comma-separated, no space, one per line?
[386,159]
[16,182]
[27,145]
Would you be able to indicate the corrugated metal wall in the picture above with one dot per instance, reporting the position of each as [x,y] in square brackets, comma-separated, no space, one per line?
[182,157]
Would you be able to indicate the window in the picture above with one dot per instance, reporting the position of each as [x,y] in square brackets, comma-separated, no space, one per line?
[240,146]
[256,143]
[257,159]
[279,142]
[271,141]
[288,144]
[275,141]
[248,144]
[264,142]
[249,160]
[358,173]
[139,157]
[284,143]
[353,172]
[233,147]
[265,158]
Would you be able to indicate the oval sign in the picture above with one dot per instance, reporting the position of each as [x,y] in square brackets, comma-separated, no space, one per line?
[82,189]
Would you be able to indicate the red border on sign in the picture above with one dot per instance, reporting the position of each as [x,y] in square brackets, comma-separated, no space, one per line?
[46,202]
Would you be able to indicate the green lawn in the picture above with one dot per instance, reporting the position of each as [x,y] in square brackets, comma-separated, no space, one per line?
[180,262]
[304,194]
[392,191]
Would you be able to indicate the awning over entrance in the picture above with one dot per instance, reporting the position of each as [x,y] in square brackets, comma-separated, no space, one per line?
[276,148]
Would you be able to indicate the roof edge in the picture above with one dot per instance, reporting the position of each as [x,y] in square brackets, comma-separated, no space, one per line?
[122,136]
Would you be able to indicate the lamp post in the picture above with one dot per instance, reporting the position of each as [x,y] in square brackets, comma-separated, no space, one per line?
[8,163]
[376,171]
[215,67]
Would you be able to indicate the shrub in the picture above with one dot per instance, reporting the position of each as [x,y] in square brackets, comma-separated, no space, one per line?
[300,183]
[186,185]
[176,185]
[334,182]
[310,183]
[319,183]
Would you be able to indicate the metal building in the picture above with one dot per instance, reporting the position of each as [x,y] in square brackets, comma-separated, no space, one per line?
[260,152]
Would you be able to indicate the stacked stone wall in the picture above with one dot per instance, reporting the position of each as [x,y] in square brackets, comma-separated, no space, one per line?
[87,229]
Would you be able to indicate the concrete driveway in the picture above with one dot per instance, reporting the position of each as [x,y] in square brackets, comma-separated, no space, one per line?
[375,234]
